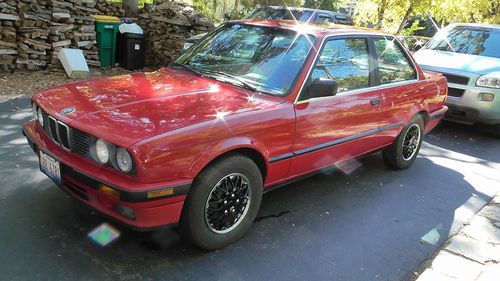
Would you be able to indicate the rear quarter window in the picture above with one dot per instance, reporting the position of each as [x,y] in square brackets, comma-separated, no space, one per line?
[393,64]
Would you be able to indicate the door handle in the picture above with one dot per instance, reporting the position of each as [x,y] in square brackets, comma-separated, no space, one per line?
[375,101]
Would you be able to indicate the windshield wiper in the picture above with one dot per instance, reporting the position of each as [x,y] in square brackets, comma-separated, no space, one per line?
[220,73]
[186,67]
[238,79]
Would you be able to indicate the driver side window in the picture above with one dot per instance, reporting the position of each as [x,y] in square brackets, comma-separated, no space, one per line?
[345,61]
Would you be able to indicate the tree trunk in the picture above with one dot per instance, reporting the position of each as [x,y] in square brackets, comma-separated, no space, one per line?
[473,20]
[236,5]
[380,13]
[131,8]
[405,19]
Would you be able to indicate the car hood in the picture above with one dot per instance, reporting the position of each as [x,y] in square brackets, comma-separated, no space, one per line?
[434,60]
[129,108]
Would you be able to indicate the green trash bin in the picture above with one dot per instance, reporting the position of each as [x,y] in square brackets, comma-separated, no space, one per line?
[106,29]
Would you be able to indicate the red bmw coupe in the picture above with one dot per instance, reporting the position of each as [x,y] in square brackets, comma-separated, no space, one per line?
[254,105]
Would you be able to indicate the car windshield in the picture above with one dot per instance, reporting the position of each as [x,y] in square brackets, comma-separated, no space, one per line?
[479,41]
[267,59]
[280,14]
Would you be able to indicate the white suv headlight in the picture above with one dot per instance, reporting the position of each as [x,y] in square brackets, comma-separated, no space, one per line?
[490,80]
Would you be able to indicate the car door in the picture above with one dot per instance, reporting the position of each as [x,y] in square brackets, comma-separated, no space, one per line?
[333,128]
[397,78]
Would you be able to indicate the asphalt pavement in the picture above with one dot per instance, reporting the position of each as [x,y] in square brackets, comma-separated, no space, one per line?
[370,224]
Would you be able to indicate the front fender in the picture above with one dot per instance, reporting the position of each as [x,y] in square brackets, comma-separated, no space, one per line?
[216,149]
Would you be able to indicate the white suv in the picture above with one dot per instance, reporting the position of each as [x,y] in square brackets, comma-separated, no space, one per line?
[469,56]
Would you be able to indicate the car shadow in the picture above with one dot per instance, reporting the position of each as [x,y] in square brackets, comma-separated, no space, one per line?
[474,140]
[372,223]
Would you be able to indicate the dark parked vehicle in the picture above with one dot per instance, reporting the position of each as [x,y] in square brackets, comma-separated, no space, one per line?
[299,14]
[288,13]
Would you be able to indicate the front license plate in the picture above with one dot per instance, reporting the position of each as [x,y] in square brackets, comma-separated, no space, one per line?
[50,167]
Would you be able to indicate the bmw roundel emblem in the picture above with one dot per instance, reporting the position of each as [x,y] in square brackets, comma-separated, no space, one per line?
[68,110]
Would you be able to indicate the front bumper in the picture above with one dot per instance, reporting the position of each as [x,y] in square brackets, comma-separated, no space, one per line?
[84,180]
[469,108]
[473,112]
[464,98]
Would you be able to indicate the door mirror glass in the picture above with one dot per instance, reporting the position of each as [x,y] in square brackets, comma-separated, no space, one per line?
[322,87]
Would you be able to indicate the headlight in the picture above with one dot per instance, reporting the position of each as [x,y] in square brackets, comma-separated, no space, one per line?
[491,80]
[101,151]
[40,116]
[123,160]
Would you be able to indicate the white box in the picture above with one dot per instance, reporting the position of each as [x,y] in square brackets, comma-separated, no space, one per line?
[74,63]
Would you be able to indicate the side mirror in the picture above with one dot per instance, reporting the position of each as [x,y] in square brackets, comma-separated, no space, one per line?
[322,87]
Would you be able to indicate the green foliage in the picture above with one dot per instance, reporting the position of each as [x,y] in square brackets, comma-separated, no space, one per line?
[414,28]
[236,14]
[392,12]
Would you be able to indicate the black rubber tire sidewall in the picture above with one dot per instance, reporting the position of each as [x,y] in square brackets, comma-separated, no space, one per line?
[495,130]
[193,225]
[393,155]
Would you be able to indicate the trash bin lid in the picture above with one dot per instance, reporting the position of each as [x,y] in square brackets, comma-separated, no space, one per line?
[130,28]
[103,18]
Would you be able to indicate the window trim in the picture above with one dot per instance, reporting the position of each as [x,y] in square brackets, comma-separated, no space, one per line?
[368,37]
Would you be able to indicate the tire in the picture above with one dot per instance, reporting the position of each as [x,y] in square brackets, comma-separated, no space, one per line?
[209,209]
[399,158]
[495,130]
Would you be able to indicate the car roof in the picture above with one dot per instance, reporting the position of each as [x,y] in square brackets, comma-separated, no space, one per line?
[316,29]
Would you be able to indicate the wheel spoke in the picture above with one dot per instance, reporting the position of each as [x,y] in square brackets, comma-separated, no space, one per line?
[410,142]
[227,203]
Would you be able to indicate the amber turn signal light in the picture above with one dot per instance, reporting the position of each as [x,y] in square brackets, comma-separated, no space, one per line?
[158,193]
[109,191]
[487,96]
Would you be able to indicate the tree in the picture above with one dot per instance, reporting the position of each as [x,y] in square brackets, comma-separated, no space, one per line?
[382,6]
[131,8]
[392,15]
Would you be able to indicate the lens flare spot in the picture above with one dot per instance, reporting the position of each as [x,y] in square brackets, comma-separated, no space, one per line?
[348,166]
[221,115]
[104,234]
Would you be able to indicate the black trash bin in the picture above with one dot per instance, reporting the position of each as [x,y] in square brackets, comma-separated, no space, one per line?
[130,51]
